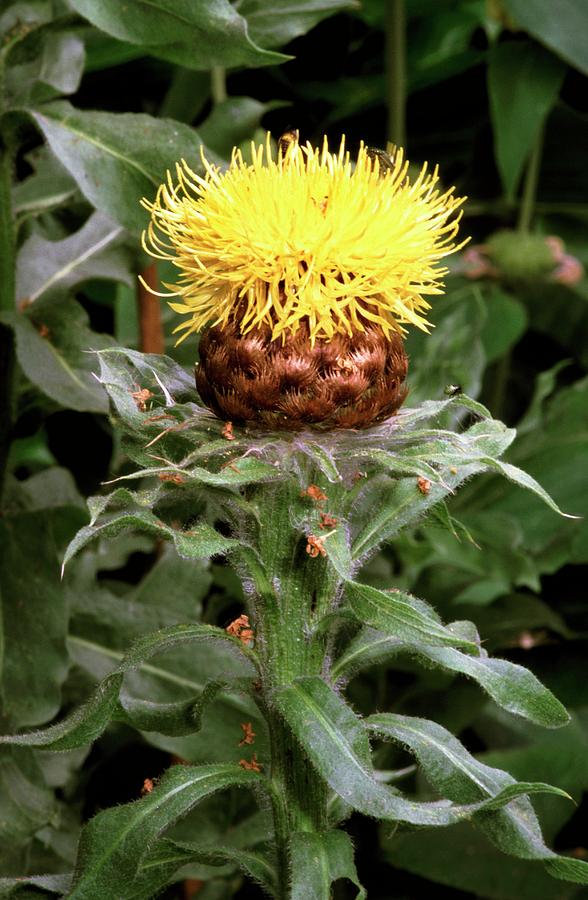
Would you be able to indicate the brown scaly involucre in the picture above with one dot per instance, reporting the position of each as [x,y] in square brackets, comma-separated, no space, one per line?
[345,382]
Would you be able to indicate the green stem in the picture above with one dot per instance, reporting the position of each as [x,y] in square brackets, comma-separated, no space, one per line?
[527,207]
[218,84]
[396,71]
[7,305]
[292,592]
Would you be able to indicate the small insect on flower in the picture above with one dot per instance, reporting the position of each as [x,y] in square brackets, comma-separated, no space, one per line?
[303,270]
[384,158]
[452,390]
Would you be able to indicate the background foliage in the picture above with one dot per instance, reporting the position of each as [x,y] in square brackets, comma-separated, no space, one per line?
[98,99]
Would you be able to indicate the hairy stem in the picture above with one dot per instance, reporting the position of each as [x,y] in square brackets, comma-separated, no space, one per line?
[396,71]
[293,591]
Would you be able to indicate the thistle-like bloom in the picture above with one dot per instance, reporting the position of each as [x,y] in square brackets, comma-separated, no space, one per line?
[307,237]
[304,268]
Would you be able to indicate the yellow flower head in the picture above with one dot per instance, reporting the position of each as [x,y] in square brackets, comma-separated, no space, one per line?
[307,236]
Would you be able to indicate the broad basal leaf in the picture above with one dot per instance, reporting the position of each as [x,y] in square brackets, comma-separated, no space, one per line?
[198,34]
[523,82]
[561,26]
[273,25]
[34,619]
[116,158]
[52,350]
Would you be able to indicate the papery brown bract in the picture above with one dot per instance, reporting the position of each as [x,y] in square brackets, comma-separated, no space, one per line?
[347,382]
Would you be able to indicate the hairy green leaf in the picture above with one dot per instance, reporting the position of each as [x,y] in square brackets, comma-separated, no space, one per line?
[52,352]
[318,860]
[459,776]
[114,843]
[512,687]
[87,722]
[168,856]
[336,742]
[45,268]
[402,616]
[273,26]
[34,618]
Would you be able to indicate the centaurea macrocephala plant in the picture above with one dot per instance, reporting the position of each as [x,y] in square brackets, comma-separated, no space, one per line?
[302,269]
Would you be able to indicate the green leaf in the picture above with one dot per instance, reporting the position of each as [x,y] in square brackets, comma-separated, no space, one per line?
[87,722]
[48,187]
[560,26]
[553,452]
[273,25]
[402,616]
[54,356]
[200,542]
[116,158]
[512,687]
[45,268]
[233,122]
[336,742]
[524,81]
[505,324]
[28,804]
[46,63]
[176,719]
[34,618]
[55,884]
[318,860]
[168,856]
[114,843]
[198,34]
[462,778]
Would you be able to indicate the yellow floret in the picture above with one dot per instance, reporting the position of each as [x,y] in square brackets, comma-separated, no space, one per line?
[308,236]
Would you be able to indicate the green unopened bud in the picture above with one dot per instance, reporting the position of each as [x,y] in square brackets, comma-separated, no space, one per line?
[520,257]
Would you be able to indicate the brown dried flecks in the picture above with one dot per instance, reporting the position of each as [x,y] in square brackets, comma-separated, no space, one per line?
[172,477]
[148,786]
[248,734]
[141,397]
[240,628]
[315,546]
[346,382]
[228,431]
[327,521]
[424,485]
[315,493]
[251,765]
